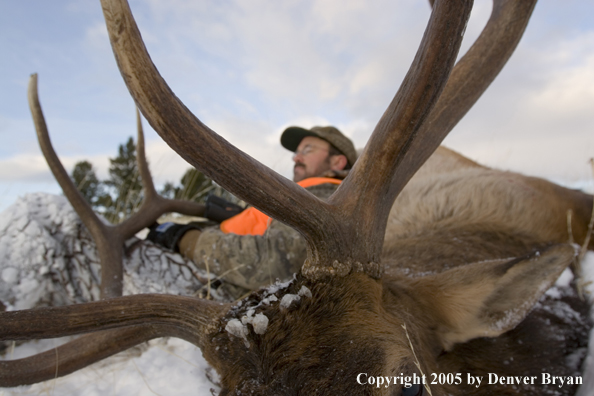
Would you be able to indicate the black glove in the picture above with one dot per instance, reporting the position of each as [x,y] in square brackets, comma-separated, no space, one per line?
[169,234]
[219,210]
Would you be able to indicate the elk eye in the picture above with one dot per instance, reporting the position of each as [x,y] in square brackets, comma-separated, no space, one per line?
[413,390]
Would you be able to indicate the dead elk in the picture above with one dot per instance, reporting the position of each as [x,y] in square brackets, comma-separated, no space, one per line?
[456,285]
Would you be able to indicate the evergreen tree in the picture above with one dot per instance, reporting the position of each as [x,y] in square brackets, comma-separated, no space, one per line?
[194,186]
[118,197]
[86,181]
[168,190]
[124,184]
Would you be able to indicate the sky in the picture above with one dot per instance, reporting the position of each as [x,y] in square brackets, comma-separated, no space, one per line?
[249,69]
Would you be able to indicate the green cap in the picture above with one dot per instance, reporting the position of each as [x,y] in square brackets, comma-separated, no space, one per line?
[292,137]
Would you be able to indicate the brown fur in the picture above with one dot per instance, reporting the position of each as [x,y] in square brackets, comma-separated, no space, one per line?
[486,317]
[450,191]
[315,348]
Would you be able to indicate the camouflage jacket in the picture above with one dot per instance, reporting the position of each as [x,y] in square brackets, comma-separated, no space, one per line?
[253,261]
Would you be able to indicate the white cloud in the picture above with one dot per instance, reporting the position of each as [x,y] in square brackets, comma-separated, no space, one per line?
[569,91]
[33,168]
[24,167]
[537,116]
[249,69]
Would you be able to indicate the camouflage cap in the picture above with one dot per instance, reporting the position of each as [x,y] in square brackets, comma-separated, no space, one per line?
[292,136]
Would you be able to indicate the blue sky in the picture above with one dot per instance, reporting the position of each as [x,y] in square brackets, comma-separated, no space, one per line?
[248,69]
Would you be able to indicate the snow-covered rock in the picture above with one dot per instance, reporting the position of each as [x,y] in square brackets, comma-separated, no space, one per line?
[48,258]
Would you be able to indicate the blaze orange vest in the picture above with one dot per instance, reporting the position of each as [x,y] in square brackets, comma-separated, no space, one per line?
[253,222]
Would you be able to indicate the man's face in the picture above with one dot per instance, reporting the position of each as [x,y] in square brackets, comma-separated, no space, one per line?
[311,158]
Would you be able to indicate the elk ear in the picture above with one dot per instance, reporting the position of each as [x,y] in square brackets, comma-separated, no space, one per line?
[487,299]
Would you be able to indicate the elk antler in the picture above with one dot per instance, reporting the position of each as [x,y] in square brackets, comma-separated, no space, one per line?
[125,321]
[369,191]
[153,204]
[79,353]
[184,312]
[472,75]
[345,234]
[469,79]
[109,239]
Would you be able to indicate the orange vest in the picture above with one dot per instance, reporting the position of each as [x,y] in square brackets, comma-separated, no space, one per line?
[253,222]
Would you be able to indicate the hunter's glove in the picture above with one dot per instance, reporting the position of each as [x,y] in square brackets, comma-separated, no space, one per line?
[169,234]
[219,209]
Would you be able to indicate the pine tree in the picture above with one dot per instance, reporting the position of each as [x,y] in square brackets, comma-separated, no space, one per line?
[86,181]
[195,186]
[124,184]
[118,197]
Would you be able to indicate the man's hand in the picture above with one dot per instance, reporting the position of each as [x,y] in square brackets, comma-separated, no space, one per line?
[169,235]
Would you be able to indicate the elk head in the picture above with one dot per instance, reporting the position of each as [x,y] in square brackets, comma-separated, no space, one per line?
[340,317]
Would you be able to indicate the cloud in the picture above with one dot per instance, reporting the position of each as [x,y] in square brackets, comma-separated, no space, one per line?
[250,69]
[24,167]
[536,117]
[566,92]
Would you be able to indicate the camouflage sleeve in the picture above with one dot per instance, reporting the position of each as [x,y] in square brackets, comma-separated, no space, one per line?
[252,261]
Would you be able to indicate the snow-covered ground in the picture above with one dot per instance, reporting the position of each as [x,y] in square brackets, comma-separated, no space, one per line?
[587,389]
[42,228]
[166,367]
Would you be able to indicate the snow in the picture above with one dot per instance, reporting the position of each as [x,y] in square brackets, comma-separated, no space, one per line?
[565,278]
[56,236]
[57,262]
[270,299]
[10,275]
[289,299]
[161,367]
[238,329]
[587,389]
[37,230]
[304,292]
[259,321]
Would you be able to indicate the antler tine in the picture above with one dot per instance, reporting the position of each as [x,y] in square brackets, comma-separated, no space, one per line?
[81,206]
[107,242]
[471,76]
[109,239]
[367,194]
[256,184]
[143,168]
[153,205]
[194,314]
[82,352]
